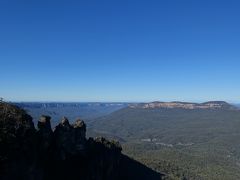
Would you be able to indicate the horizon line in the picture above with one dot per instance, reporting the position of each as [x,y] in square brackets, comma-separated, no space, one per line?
[115,102]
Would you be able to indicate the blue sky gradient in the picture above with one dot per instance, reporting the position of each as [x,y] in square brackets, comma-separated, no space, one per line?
[121,50]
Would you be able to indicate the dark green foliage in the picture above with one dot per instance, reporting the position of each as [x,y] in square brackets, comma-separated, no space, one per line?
[197,144]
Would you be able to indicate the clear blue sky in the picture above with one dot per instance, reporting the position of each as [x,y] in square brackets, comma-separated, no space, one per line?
[120,50]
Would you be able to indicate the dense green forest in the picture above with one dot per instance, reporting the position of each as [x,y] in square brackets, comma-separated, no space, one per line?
[192,144]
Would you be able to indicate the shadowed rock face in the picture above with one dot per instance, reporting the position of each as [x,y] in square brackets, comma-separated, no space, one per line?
[27,153]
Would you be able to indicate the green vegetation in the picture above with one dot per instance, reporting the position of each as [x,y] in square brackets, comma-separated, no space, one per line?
[182,143]
[192,144]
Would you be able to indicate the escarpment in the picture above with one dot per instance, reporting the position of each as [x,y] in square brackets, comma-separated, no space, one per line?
[43,153]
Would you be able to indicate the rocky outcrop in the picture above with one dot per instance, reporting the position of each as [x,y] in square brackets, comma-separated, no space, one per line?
[27,153]
[17,139]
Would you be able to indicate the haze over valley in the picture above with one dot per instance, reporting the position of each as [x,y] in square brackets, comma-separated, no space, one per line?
[181,139]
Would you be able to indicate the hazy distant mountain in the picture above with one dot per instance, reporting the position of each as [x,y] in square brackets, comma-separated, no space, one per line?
[145,119]
[57,110]
[202,138]
[185,105]
[238,105]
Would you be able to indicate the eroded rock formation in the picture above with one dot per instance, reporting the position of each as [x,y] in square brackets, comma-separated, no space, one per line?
[27,153]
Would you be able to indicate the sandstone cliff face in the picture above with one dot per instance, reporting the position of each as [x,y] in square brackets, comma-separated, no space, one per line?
[27,153]
[212,105]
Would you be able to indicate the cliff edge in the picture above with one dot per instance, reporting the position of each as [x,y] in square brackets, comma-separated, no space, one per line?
[43,153]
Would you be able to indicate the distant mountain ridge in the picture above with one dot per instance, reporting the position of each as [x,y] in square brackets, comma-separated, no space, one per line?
[204,141]
[185,105]
[67,104]
[73,110]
